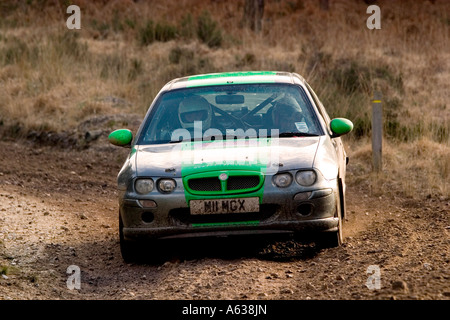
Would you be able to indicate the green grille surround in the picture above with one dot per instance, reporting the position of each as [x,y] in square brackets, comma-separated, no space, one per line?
[210,177]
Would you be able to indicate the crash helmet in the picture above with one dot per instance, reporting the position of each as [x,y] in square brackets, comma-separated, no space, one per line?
[285,111]
[195,108]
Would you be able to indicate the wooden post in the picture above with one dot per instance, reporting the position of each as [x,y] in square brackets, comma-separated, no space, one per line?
[377,132]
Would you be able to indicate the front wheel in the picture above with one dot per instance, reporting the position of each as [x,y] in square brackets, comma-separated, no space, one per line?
[128,249]
[333,239]
[150,251]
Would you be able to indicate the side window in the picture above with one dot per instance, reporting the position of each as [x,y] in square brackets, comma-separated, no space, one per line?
[320,107]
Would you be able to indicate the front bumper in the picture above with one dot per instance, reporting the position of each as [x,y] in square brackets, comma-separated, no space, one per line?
[279,213]
[306,227]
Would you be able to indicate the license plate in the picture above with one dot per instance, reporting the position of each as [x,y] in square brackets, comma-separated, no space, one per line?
[218,206]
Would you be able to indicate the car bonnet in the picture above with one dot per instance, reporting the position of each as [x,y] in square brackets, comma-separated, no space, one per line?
[266,155]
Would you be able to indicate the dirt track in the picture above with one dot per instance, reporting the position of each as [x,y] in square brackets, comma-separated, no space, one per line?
[58,208]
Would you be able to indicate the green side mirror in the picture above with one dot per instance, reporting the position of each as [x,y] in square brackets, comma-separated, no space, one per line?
[340,126]
[121,137]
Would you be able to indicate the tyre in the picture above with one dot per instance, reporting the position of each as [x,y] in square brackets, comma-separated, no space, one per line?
[343,202]
[150,251]
[128,249]
[333,239]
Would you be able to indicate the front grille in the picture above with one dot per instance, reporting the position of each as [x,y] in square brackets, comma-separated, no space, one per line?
[242,182]
[205,184]
[233,183]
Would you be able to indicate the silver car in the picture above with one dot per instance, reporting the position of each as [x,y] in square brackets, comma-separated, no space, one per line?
[236,153]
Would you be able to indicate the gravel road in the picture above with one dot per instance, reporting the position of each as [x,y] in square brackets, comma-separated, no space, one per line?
[58,208]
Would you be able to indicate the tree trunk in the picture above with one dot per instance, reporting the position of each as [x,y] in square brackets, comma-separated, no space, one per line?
[324,5]
[253,13]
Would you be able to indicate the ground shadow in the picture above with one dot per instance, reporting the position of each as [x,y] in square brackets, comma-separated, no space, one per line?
[275,248]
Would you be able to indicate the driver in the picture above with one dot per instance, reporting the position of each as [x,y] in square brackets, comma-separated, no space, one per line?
[192,109]
[287,115]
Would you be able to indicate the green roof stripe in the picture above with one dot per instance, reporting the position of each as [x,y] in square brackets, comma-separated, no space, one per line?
[232,74]
[234,78]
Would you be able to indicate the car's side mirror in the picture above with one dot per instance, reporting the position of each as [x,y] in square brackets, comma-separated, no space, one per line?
[121,138]
[340,126]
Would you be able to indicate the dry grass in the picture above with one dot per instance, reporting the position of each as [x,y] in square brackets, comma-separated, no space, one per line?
[52,78]
[416,170]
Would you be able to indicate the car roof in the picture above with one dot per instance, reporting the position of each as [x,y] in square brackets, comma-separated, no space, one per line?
[235,77]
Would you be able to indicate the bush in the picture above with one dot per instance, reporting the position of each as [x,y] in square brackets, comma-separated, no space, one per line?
[67,45]
[184,62]
[179,55]
[119,67]
[352,77]
[15,52]
[102,28]
[146,34]
[246,61]
[162,31]
[208,31]
[135,69]
[165,32]
[187,27]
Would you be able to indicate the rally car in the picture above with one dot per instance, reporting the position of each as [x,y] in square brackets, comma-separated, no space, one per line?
[236,153]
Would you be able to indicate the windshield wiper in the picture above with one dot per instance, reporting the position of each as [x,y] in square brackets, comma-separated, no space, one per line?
[176,141]
[297,134]
[181,140]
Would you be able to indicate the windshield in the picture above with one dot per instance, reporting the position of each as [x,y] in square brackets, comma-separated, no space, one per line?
[230,111]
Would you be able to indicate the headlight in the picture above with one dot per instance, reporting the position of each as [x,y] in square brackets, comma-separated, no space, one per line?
[306,178]
[282,180]
[166,185]
[144,186]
